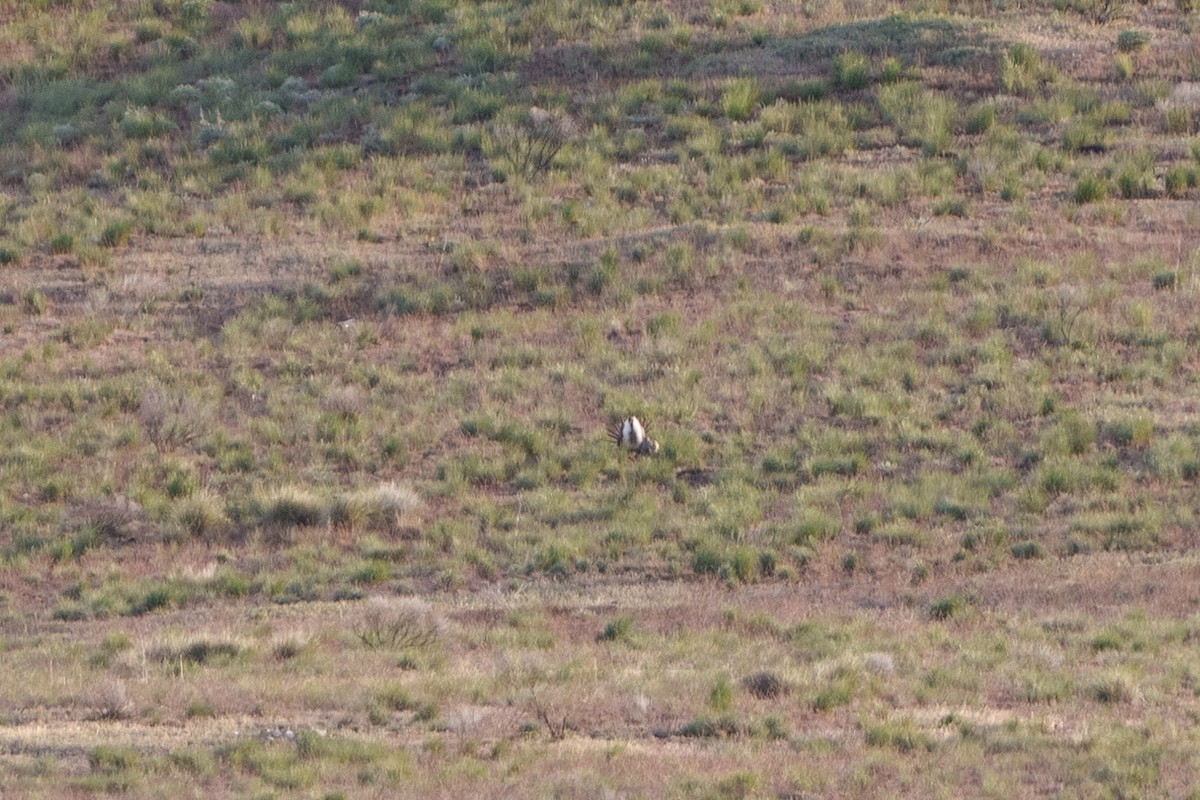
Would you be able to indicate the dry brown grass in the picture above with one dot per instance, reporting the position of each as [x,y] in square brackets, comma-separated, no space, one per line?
[624,707]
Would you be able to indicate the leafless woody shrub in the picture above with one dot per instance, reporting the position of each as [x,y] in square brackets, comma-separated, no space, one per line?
[169,420]
[112,519]
[528,148]
[398,624]
[110,701]
[346,402]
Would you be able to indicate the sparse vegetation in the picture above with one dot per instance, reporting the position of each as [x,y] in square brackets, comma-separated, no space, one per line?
[312,316]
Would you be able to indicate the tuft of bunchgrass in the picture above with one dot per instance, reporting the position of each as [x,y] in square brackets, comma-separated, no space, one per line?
[1090,189]
[740,98]
[291,507]
[201,516]
[388,507]
[177,652]
[1022,71]
[902,734]
[851,71]
[116,234]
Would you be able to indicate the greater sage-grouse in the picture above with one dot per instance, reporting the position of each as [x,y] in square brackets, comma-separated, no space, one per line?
[631,435]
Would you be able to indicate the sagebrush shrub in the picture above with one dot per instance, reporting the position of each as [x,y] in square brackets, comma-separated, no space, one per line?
[766,685]
[617,630]
[1131,41]
[110,701]
[398,624]
[529,147]
[169,419]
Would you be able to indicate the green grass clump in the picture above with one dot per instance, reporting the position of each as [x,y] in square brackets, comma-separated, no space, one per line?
[1112,689]
[920,117]
[1022,71]
[142,123]
[1178,120]
[114,759]
[901,734]
[740,98]
[851,71]
[720,697]
[839,691]
[116,234]
[62,243]
[196,762]
[707,561]
[1086,136]
[1123,66]
[1090,189]
[980,119]
[1179,179]
[199,650]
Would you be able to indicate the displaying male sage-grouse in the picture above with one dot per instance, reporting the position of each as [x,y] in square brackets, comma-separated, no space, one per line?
[631,435]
